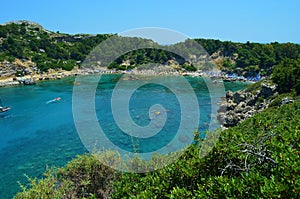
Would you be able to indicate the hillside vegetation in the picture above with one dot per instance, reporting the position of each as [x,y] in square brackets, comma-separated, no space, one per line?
[29,41]
[25,41]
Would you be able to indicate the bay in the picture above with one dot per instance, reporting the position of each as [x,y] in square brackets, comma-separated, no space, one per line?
[35,134]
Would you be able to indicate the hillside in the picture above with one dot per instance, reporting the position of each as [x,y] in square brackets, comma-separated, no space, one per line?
[27,48]
[31,45]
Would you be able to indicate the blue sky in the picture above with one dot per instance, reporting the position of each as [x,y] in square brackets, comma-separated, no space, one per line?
[235,20]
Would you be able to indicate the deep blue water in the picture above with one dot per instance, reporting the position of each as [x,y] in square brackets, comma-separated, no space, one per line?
[35,135]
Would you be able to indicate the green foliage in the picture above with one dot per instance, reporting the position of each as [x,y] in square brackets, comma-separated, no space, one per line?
[113,65]
[189,67]
[276,99]
[88,176]
[228,64]
[46,48]
[83,177]
[45,188]
[261,57]
[287,75]
[255,87]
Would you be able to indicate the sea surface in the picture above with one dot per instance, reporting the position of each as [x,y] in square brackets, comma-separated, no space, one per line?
[38,133]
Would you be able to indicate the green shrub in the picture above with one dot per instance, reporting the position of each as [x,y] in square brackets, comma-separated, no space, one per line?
[275,100]
[83,177]
[253,87]
[287,75]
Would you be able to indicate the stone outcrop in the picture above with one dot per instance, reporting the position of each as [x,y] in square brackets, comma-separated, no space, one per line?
[286,100]
[267,90]
[240,105]
[25,67]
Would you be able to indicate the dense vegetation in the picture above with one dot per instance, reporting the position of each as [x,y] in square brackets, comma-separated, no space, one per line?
[29,41]
[46,49]
[287,76]
[259,158]
[253,57]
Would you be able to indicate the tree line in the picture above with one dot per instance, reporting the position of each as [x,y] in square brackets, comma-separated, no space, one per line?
[56,50]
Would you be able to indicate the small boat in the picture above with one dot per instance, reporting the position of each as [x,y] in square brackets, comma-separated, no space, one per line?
[54,100]
[3,109]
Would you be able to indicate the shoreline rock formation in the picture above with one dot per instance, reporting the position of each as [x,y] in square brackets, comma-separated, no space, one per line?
[240,105]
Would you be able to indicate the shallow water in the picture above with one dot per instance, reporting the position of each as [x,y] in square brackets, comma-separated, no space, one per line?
[35,134]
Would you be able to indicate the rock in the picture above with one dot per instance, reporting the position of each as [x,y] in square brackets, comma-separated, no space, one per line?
[238,96]
[229,95]
[231,105]
[240,105]
[231,120]
[240,108]
[241,117]
[27,71]
[251,101]
[259,106]
[29,82]
[286,100]
[247,109]
[221,118]
[267,90]
[222,108]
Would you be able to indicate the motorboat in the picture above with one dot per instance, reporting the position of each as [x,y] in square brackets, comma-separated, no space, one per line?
[3,109]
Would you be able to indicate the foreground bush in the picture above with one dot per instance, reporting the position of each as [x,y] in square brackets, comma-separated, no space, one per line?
[83,177]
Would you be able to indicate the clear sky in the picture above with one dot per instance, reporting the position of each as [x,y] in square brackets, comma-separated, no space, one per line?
[235,20]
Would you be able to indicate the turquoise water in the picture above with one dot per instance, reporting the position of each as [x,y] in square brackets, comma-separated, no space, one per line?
[35,135]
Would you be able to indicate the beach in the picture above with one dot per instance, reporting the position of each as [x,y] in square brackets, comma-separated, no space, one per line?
[161,71]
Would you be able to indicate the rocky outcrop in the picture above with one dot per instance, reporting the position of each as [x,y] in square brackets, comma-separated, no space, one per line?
[286,100]
[17,67]
[240,105]
[267,90]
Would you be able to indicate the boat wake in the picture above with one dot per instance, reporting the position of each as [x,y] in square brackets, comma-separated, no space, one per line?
[54,100]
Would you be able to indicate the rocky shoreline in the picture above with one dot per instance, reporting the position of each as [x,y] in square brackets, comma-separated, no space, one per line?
[32,78]
[240,105]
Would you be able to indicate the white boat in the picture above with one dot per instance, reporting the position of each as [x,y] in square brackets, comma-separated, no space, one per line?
[3,109]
